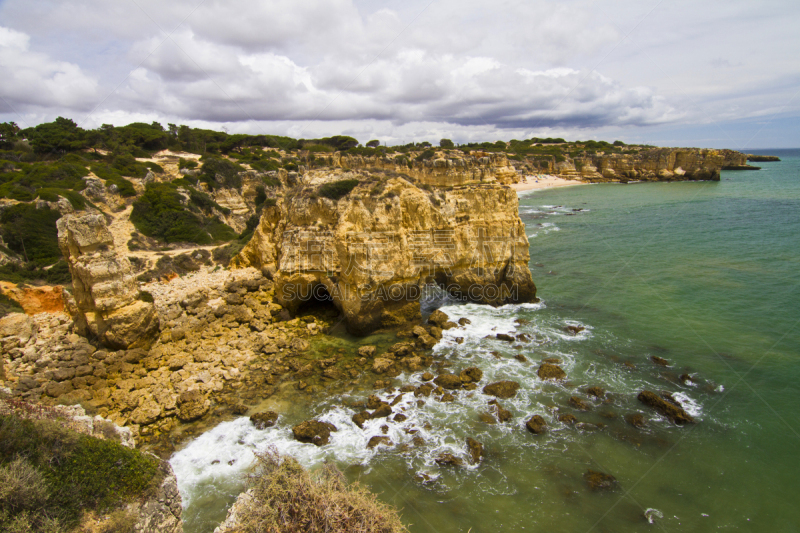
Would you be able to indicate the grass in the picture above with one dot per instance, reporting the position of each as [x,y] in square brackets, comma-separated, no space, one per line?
[58,274]
[8,306]
[50,475]
[286,497]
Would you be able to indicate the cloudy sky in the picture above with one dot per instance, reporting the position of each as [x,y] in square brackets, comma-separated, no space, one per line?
[709,73]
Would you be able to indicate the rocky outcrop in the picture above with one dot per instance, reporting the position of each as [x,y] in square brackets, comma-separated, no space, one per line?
[371,251]
[106,297]
[161,513]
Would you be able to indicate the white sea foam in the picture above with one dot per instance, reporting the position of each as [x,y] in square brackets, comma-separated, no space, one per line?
[690,405]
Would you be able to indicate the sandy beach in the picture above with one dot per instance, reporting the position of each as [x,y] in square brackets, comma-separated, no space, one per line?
[543,181]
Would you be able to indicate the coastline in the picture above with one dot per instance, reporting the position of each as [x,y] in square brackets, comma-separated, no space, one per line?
[544,181]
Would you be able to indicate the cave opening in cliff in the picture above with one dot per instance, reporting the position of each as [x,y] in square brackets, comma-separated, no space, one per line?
[319,303]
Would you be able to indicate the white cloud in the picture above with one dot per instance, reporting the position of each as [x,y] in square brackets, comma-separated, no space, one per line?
[31,79]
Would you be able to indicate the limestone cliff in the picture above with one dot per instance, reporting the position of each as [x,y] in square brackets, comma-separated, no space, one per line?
[107,304]
[645,164]
[447,168]
[372,250]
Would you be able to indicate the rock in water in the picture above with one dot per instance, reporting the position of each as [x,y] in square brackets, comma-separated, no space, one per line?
[637,420]
[264,420]
[313,432]
[579,404]
[550,371]
[536,425]
[448,381]
[448,459]
[567,418]
[379,440]
[106,304]
[659,360]
[597,392]
[599,480]
[471,374]
[502,389]
[475,450]
[673,412]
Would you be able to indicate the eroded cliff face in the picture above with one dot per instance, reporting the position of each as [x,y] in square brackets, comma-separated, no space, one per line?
[372,251]
[106,296]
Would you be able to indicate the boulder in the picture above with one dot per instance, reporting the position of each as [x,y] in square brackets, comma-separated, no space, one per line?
[367,351]
[17,325]
[427,376]
[382,365]
[381,412]
[379,440]
[438,318]
[503,415]
[521,358]
[471,375]
[192,405]
[373,402]
[360,418]
[264,420]
[313,432]
[550,371]
[502,389]
[448,381]
[536,425]
[505,337]
[463,321]
[475,450]
[671,411]
[574,330]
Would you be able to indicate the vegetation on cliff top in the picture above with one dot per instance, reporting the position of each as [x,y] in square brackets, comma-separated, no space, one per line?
[287,498]
[50,476]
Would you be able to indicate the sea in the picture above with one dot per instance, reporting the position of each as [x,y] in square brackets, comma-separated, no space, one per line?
[704,275]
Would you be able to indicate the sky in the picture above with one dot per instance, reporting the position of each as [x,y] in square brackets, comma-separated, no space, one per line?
[707,73]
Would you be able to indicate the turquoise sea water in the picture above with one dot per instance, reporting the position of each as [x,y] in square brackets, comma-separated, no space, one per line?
[704,275]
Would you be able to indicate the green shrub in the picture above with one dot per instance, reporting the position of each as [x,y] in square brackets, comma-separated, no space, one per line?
[338,189]
[51,195]
[77,473]
[205,203]
[159,214]
[31,233]
[427,154]
[218,172]
[187,163]
[7,305]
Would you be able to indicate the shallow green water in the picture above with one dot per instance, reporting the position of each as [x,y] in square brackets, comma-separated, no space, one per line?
[705,275]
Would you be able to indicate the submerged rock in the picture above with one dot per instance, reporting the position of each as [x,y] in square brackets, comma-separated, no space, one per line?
[505,337]
[536,425]
[579,404]
[671,411]
[567,418]
[600,481]
[637,420]
[597,392]
[381,412]
[448,459]
[574,329]
[360,418]
[659,360]
[264,420]
[502,389]
[313,432]
[550,371]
